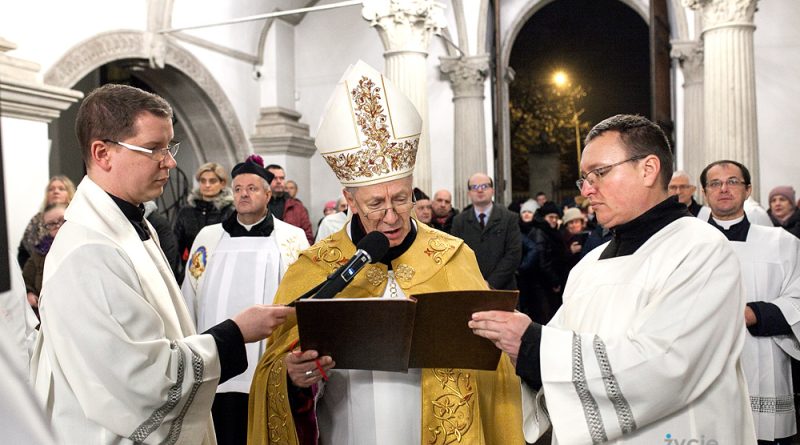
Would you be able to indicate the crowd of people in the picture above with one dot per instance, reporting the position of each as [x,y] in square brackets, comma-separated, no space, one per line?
[641,312]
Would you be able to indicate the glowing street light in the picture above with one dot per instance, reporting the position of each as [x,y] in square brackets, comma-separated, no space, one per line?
[561,80]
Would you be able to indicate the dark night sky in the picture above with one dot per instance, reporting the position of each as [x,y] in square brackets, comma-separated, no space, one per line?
[602,44]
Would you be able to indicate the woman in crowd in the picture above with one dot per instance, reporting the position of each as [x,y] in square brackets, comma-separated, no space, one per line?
[782,209]
[59,190]
[52,219]
[211,202]
[574,234]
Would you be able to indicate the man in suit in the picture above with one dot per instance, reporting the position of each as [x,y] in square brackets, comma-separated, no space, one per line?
[492,232]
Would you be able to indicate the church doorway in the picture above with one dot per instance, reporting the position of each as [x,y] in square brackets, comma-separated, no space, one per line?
[574,63]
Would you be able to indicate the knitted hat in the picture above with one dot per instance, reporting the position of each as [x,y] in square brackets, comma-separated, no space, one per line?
[529,206]
[330,205]
[370,130]
[787,191]
[548,208]
[571,214]
[253,164]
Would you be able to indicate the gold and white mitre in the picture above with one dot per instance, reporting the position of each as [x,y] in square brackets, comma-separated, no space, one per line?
[370,130]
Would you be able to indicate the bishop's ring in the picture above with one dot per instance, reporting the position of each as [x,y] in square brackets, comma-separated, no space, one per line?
[309,373]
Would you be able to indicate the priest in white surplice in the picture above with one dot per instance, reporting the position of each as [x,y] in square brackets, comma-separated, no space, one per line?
[646,347]
[233,265]
[118,360]
[770,260]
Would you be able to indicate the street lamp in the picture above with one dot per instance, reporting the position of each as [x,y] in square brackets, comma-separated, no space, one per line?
[561,80]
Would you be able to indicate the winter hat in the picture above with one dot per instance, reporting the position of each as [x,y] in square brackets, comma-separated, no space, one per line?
[548,208]
[787,191]
[571,214]
[529,206]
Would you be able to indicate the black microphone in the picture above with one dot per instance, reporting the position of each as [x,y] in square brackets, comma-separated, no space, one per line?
[371,249]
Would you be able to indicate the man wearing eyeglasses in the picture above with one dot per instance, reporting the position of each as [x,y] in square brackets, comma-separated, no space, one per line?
[492,232]
[118,359]
[681,186]
[646,346]
[770,260]
[289,401]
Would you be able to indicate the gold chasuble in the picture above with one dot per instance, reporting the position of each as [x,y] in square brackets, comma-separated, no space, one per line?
[459,406]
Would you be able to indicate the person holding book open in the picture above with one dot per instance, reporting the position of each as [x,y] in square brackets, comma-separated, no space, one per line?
[369,137]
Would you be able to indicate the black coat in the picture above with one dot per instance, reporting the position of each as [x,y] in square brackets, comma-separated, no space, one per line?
[498,247]
[197,215]
[792,225]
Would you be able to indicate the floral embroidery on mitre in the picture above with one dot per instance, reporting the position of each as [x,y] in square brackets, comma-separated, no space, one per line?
[378,155]
[197,265]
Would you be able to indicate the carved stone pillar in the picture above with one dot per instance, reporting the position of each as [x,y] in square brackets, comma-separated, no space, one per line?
[279,135]
[467,77]
[729,82]
[690,56]
[405,28]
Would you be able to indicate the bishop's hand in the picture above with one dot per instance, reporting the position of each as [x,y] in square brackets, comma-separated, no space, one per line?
[305,368]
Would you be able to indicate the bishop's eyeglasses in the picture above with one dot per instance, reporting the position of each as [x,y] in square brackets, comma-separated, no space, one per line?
[597,174]
[399,207]
[156,154]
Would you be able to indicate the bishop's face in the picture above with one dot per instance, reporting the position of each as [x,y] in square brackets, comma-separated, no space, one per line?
[384,207]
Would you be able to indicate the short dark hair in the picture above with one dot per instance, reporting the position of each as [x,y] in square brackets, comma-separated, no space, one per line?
[110,112]
[640,137]
[742,168]
[273,167]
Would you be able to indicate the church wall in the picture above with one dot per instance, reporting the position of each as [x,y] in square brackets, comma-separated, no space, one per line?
[777,60]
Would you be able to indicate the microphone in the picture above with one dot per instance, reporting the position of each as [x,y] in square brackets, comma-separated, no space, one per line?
[371,249]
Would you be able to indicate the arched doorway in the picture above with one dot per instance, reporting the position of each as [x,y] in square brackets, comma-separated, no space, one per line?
[603,47]
[205,121]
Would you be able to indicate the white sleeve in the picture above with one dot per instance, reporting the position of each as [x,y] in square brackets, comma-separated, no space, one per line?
[688,332]
[535,420]
[108,347]
[789,300]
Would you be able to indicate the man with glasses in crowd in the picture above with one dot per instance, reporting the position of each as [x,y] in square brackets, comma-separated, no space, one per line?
[118,359]
[492,232]
[422,406]
[681,185]
[770,260]
[646,347]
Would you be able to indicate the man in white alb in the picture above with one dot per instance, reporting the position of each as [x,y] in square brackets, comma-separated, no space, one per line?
[771,275]
[646,347]
[117,360]
[232,265]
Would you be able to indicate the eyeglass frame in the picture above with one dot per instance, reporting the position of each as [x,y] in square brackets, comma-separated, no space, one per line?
[599,172]
[385,210]
[59,224]
[153,152]
[730,182]
[480,187]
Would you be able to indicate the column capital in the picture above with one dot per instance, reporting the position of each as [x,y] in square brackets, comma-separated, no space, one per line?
[23,95]
[405,25]
[722,13]
[689,53]
[467,74]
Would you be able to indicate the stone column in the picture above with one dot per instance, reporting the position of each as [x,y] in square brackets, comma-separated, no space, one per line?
[27,106]
[690,56]
[729,82]
[468,78]
[405,28]
[279,135]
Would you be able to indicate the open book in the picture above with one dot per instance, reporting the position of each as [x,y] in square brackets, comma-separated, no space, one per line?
[383,334]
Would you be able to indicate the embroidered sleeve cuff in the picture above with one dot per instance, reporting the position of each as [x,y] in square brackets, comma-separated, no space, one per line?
[230,346]
[528,368]
[769,320]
